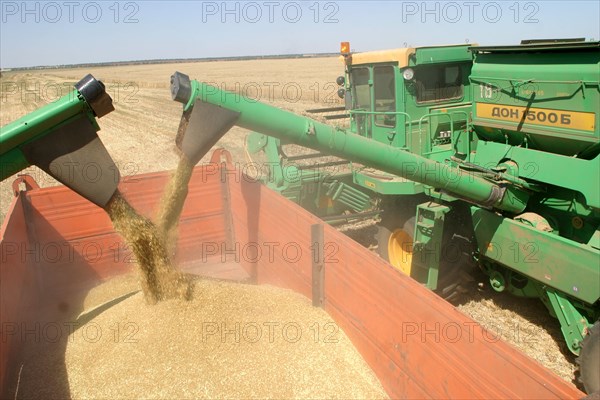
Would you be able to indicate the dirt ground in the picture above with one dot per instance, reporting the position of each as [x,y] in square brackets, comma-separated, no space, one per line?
[140,134]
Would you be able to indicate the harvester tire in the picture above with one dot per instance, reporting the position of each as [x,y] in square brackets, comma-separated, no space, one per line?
[589,360]
[455,265]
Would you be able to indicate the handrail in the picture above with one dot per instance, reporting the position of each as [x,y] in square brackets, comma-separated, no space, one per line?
[365,112]
[447,114]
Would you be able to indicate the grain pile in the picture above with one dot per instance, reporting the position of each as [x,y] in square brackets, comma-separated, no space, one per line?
[160,280]
[230,341]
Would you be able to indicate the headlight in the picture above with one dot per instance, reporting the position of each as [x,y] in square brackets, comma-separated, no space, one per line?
[408,74]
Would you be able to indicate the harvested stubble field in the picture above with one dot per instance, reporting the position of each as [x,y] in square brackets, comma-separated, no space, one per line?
[140,135]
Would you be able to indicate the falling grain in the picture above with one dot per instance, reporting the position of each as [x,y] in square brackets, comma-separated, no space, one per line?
[173,200]
[160,281]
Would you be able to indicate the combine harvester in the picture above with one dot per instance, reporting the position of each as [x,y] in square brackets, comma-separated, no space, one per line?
[486,155]
[417,344]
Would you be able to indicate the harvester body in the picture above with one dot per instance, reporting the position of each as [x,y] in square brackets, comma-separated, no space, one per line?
[473,154]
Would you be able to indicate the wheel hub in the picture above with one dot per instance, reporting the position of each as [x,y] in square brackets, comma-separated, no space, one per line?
[400,250]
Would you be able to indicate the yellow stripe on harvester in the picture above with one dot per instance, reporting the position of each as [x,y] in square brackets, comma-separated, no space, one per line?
[538,116]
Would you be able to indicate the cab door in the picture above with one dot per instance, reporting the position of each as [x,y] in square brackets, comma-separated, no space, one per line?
[374,102]
[362,107]
[385,119]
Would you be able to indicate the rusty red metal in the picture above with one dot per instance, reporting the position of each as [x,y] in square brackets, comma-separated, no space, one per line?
[25,179]
[418,345]
[15,279]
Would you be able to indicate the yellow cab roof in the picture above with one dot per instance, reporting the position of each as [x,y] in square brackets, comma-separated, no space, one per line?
[400,55]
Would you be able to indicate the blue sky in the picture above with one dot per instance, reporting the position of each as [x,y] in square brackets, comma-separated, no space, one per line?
[75,31]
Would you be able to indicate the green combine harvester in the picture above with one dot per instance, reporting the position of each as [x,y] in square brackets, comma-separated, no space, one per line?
[471,155]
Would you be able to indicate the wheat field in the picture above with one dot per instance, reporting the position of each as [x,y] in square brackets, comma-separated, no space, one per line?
[140,133]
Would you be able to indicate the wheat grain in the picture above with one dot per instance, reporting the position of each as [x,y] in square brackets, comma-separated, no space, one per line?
[160,280]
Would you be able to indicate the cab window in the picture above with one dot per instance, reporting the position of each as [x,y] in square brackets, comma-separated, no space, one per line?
[436,84]
[362,92]
[385,95]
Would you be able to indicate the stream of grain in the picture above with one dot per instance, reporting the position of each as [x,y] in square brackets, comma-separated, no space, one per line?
[172,202]
[160,280]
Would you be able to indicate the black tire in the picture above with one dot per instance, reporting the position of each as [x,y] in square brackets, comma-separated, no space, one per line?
[589,360]
[455,262]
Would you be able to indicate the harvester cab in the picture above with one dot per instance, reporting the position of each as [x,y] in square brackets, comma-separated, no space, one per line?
[60,138]
[397,95]
[414,98]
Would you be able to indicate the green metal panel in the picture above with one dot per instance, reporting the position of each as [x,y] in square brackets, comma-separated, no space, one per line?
[570,267]
[554,169]
[26,128]
[429,228]
[572,323]
[354,199]
[391,186]
[547,100]
[442,54]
